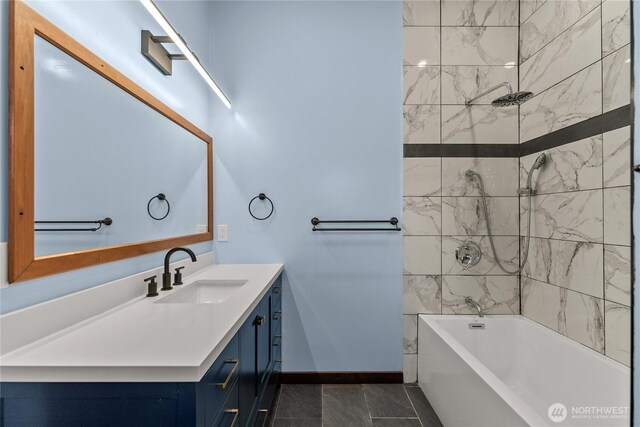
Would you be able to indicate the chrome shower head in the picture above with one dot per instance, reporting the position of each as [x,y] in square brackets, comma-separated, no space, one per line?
[516,98]
[512,98]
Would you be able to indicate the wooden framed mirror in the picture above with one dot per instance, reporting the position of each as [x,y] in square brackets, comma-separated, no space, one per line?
[86,143]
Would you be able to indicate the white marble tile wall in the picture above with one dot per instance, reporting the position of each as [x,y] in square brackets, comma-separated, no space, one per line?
[616,168]
[581,253]
[527,8]
[570,52]
[421,46]
[616,24]
[570,101]
[549,21]
[479,124]
[500,176]
[462,82]
[496,294]
[421,85]
[422,176]
[579,316]
[479,45]
[575,57]
[616,79]
[453,50]
[572,265]
[479,13]
[465,216]
[421,13]
[421,124]
[617,331]
[570,167]
[573,54]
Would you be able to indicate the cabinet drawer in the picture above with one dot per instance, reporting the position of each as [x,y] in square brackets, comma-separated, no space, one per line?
[276,291]
[276,346]
[276,316]
[266,402]
[220,380]
[229,415]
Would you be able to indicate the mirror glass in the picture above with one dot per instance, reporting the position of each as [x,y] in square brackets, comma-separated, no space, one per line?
[101,153]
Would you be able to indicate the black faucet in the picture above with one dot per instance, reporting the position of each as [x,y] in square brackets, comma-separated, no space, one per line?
[166,276]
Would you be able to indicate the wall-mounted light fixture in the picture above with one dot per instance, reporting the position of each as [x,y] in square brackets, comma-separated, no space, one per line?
[153,50]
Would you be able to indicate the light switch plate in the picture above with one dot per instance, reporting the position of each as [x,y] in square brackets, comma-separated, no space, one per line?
[223,236]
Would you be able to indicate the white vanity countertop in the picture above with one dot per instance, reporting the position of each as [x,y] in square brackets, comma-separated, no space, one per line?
[144,341]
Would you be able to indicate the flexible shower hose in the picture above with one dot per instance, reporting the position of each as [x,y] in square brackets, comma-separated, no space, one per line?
[488,222]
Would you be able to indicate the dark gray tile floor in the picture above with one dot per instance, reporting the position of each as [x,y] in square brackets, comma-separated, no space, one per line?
[352,405]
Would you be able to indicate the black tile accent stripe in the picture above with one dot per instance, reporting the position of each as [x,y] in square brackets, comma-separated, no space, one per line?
[461,150]
[611,120]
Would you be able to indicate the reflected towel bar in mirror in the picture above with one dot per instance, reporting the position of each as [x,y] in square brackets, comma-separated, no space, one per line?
[100,222]
[393,221]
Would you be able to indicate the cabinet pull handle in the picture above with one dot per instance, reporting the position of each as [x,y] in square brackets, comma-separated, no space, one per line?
[226,382]
[276,290]
[259,321]
[277,314]
[234,423]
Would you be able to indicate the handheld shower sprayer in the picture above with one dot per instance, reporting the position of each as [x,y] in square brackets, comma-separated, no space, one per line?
[537,164]
[540,160]
[527,191]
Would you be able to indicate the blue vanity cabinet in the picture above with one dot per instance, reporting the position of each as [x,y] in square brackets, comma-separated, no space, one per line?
[247,383]
[264,339]
[237,390]
[230,413]
[271,380]
[257,381]
[219,383]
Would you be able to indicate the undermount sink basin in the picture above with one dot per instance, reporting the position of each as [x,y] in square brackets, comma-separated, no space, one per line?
[204,292]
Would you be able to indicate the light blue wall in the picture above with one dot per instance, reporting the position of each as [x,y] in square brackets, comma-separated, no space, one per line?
[316,124]
[112,30]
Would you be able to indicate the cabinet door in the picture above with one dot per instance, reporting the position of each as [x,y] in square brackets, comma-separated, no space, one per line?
[248,380]
[264,353]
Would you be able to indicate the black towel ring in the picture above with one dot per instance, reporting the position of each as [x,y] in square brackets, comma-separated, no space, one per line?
[161,197]
[261,196]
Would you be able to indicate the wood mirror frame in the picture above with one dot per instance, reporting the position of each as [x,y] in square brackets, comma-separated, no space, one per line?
[25,24]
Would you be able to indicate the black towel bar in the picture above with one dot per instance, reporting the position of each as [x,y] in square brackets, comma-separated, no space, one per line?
[100,222]
[393,221]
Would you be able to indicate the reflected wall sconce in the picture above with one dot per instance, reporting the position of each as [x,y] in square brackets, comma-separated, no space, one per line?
[153,50]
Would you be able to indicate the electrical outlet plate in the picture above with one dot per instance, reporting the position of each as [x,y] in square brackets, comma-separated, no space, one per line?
[3,265]
[222,233]
[201,228]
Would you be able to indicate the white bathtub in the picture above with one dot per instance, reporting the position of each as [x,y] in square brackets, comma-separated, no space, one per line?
[512,371]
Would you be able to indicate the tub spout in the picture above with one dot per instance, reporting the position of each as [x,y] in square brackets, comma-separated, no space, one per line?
[475,305]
